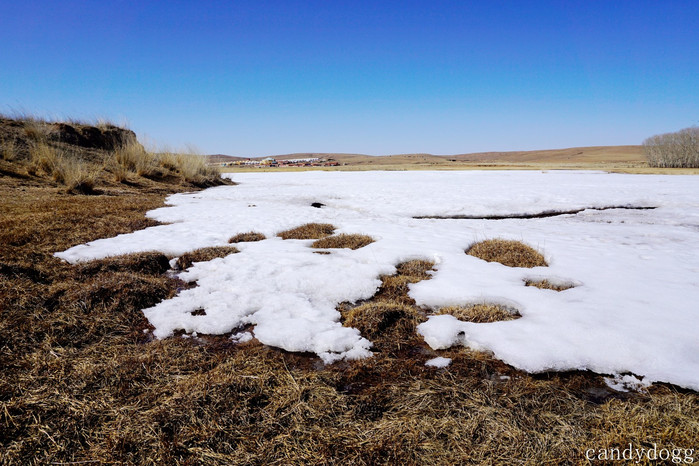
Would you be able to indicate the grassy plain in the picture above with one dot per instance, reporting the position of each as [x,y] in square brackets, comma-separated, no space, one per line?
[616,159]
[81,383]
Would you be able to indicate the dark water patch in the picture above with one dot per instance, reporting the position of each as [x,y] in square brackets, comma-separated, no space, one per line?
[544,214]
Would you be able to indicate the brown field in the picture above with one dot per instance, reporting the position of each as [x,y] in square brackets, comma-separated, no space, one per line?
[621,159]
[81,383]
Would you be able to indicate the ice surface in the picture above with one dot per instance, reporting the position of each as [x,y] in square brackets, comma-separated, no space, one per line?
[633,310]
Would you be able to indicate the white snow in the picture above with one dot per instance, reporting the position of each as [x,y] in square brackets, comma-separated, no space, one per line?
[438,362]
[633,310]
[241,337]
[626,383]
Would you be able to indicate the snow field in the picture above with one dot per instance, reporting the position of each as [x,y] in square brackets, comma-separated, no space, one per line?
[633,309]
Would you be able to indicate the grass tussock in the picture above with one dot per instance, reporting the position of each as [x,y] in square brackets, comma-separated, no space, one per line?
[384,319]
[507,252]
[481,313]
[8,149]
[131,158]
[547,285]
[394,288]
[146,263]
[186,260]
[82,383]
[349,241]
[247,237]
[63,167]
[308,231]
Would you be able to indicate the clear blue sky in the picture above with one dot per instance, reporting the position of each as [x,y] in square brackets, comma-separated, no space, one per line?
[269,77]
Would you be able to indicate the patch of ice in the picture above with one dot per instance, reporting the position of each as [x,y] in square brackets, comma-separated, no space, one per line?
[438,362]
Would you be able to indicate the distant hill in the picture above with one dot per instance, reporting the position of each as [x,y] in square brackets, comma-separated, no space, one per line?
[573,155]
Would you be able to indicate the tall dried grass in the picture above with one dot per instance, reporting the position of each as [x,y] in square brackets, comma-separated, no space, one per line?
[8,149]
[63,167]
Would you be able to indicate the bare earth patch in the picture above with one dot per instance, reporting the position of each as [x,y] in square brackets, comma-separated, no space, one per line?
[481,313]
[350,241]
[308,231]
[205,254]
[507,252]
[247,237]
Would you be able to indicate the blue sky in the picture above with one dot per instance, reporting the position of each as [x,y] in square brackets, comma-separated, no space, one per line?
[444,77]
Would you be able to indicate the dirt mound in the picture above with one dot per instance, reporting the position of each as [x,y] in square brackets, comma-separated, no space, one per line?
[107,137]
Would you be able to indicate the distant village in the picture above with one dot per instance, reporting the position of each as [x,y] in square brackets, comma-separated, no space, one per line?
[272,162]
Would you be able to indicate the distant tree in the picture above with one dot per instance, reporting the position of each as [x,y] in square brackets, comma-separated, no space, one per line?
[674,150]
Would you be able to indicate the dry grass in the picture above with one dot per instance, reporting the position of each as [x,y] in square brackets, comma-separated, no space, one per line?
[308,231]
[82,382]
[8,149]
[247,237]
[507,252]
[131,158]
[63,167]
[204,255]
[394,288]
[547,285]
[350,241]
[481,313]
[83,156]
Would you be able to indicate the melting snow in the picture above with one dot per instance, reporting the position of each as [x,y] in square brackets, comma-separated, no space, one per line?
[438,362]
[634,308]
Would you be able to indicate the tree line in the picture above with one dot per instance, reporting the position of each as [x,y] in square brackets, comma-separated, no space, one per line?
[674,150]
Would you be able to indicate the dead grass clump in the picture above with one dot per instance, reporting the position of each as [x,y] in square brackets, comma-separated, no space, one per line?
[8,149]
[194,169]
[44,158]
[308,231]
[547,285]
[35,129]
[350,241]
[384,319]
[507,252]
[204,255]
[147,263]
[63,167]
[394,288]
[75,174]
[247,237]
[131,157]
[481,313]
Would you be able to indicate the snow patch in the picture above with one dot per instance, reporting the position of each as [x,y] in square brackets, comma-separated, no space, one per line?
[438,362]
[634,310]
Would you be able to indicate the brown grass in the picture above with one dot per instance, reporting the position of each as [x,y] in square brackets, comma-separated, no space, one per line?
[82,382]
[350,241]
[8,149]
[481,313]
[507,252]
[547,285]
[308,231]
[394,288]
[247,237]
[186,260]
